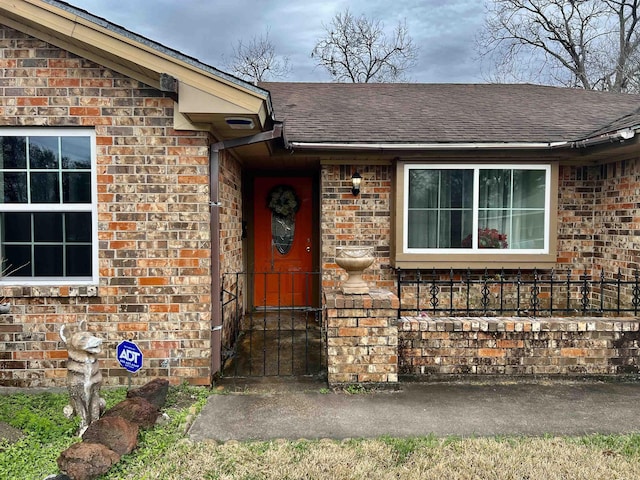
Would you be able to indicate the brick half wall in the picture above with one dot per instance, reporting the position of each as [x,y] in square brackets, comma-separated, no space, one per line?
[362,337]
[433,348]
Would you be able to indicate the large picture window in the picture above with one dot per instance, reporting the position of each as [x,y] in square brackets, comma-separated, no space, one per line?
[47,205]
[476,209]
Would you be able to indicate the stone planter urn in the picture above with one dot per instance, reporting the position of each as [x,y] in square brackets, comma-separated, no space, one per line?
[354,260]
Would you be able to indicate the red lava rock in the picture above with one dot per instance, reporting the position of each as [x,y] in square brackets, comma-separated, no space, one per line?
[86,461]
[155,392]
[116,433]
[136,410]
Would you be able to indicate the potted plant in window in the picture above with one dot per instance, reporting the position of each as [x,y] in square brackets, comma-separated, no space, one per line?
[487,238]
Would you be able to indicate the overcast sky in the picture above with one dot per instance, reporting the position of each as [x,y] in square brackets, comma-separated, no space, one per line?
[444,30]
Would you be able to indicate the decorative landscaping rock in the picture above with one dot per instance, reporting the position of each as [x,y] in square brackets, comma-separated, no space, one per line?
[136,410]
[116,433]
[86,461]
[155,392]
[9,433]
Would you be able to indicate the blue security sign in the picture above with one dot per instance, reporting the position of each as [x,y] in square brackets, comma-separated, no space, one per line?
[129,356]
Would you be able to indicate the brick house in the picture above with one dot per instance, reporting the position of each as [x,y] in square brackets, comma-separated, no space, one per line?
[140,190]
[441,162]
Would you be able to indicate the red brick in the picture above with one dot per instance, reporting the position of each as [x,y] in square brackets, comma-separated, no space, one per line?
[64,82]
[491,352]
[132,327]
[25,101]
[153,281]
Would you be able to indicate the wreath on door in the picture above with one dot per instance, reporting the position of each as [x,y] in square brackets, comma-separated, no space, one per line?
[283,201]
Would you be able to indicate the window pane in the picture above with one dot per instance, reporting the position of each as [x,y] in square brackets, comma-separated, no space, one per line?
[13,152]
[420,235]
[455,229]
[456,188]
[440,188]
[440,229]
[528,229]
[495,188]
[43,152]
[78,227]
[76,152]
[18,256]
[494,227]
[16,227]
[440,208]
[424,188]
[528,188]
[76,187]
[45,188]
[14,187]
[79,260]
[48,260]
[47,227]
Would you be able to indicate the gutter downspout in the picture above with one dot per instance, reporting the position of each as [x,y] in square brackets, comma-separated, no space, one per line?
[216,294]
[214,205]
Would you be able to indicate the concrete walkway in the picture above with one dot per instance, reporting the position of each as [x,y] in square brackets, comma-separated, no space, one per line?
[441,409]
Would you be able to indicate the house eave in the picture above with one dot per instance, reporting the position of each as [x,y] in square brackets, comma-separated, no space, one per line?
[384,147]
[116,48]
[622,135]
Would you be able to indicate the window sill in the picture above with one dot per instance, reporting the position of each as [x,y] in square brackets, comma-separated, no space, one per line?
[35,291]
[463,262]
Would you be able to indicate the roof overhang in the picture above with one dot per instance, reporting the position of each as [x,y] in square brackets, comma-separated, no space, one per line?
[597,148]
[386,147]
[206,97]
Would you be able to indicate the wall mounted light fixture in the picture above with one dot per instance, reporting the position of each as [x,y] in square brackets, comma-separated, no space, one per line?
[356,180]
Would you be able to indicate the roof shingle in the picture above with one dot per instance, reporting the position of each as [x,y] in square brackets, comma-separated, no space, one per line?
[450,113]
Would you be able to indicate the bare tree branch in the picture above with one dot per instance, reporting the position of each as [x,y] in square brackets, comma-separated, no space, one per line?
[593,44]
[256,61]
[356,49]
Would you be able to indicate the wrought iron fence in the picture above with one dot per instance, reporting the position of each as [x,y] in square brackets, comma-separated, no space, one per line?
[272,324]
[534,293]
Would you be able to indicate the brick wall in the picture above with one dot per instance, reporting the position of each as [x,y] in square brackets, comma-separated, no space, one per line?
[442,347]
[349,220]
[578,197]
[153,223]
[599,226]
[616,219]
[231,245]
[362,337]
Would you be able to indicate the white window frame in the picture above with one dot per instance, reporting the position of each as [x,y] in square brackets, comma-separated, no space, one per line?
[474,250]
[59,207]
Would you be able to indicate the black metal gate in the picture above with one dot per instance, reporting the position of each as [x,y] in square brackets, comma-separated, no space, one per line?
[270,340]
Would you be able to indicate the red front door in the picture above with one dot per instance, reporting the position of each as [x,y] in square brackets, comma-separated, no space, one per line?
[282,242]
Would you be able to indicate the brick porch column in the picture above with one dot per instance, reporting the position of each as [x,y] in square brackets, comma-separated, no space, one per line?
[362,337]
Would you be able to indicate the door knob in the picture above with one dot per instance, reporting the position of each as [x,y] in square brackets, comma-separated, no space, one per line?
[308,249]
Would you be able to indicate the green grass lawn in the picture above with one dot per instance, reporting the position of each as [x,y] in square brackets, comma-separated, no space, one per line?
[164,452]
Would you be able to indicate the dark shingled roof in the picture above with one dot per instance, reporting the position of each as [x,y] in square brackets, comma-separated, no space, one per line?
[451,113]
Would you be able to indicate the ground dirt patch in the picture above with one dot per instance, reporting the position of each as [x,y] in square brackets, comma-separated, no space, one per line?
[9,433]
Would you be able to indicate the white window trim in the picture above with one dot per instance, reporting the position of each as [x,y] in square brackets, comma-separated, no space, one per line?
[476,167]
[30,207]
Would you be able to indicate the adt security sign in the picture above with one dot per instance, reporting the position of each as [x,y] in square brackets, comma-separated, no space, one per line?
[129,356]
